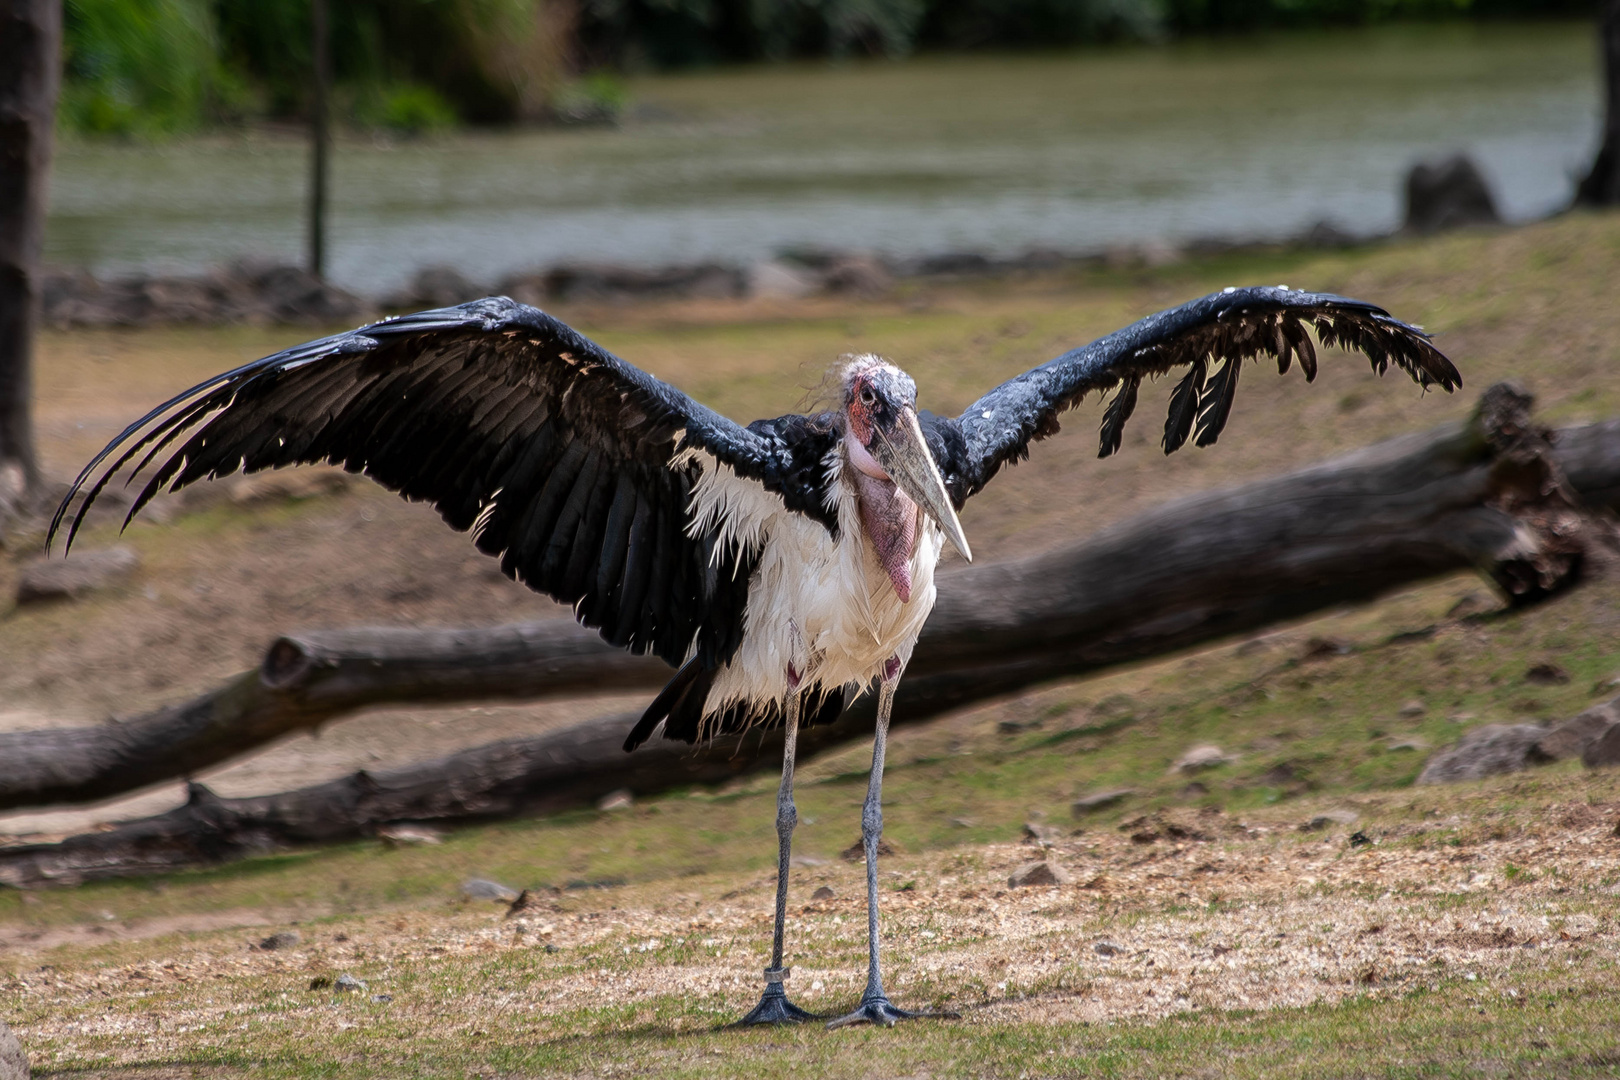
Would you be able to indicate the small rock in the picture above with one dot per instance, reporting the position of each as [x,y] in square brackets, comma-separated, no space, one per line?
[1279,774]
[1413,709]
[1448,194]
[382,999]
[1328,819]
[1099,800]
[1486,750]
[1318,648]
[621,799]
[1205,756]
[482,889]
[1038,873]
[71,577]
[1107,948]
[772,280]
[436,286]
[346,983]
[1546,673]
[1408,744]
[860,274]
[13,1062]
[856,852]
[281,939]
[525,904]
[1043,835]
[1573,736]
[823,893]
[1145,836]
[409,835]
[1195,790]
[288,486]
[1604,750]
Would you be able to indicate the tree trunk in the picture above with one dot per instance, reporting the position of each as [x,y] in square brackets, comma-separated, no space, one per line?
[1601,186]
[1490,495]
[30,52]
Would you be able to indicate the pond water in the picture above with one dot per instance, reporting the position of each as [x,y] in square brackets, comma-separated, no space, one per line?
[1241,139]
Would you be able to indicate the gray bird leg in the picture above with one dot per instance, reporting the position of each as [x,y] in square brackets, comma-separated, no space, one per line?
[774,1007]
[875,1006]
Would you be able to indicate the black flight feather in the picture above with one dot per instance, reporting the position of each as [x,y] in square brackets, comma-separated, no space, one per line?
[1217,407]
[1184,407]
[1119,410]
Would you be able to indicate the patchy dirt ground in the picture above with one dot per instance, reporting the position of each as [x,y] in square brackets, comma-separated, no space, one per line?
[1180,914]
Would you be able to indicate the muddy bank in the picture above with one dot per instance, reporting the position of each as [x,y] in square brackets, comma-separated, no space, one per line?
[266,293]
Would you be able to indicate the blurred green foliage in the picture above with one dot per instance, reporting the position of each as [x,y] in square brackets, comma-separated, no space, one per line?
[152,66]
[144,66]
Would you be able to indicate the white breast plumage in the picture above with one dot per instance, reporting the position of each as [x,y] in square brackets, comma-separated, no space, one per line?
[827,606]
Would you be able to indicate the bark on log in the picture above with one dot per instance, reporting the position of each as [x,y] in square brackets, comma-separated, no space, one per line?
[1490,495]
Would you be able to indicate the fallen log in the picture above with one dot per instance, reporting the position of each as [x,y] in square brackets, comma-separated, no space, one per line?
[1492,494]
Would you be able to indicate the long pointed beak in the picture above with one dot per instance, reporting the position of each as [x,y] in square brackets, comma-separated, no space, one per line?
[904,456]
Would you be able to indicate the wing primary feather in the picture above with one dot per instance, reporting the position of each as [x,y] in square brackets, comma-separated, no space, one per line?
[1119,410]
[1184,406]
[637,560]
[1222,389]
[1306,350]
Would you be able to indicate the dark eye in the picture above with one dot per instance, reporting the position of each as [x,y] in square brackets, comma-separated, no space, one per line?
[867,397]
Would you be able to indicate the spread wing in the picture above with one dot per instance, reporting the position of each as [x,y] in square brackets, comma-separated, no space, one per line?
[564,461]
[1210,337]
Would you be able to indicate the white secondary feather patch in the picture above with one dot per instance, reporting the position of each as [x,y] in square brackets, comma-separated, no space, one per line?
[849,619]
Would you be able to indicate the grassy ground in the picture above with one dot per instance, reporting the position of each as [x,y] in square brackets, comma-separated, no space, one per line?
[1475,934]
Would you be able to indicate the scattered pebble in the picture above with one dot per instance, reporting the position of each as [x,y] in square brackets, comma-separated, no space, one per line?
[346,983]
[1546,673]
[1203,756]
[409,835]
[281,939]
[1099,800]
[1038,873]
[1328,819]
[382,998]
[622,799]
[13,1062]
[823,893]
[1044,835]
[856,852]
[483,889]
[1413,709]
[1107,948]
[71,577]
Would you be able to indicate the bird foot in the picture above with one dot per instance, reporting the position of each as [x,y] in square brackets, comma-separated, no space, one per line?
[882,1012]
[775,1008]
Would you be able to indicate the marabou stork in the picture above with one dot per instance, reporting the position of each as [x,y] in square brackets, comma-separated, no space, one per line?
[777,566]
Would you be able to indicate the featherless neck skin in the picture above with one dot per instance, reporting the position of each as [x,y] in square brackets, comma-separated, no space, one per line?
[889,517]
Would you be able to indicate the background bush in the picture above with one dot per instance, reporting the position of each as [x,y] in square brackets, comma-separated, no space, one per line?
[152,66]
